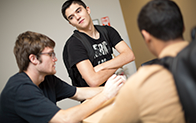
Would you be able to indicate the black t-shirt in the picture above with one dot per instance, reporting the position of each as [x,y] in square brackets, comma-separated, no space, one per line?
[77,52]
[21,101]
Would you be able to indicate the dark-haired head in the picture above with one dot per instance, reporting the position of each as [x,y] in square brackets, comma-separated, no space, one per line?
[162,19]
[68,3]
[30,43]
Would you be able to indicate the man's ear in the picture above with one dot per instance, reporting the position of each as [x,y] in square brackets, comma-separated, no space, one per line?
[33,59]
[88,10]
[147,36]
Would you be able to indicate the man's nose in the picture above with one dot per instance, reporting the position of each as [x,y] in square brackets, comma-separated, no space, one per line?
[55,59]
[77,16]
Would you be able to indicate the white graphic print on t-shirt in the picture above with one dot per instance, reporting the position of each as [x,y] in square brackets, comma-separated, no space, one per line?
[100,50]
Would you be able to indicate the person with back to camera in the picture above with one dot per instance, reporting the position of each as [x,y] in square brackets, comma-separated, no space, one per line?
[150,95]
[30,95]
[86,72]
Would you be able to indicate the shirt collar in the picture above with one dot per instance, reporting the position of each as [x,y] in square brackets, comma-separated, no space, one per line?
[173,49]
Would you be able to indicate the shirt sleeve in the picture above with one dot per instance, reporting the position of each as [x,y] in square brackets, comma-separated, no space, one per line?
[33,106]
[114,36]
[63,89]
[77,52]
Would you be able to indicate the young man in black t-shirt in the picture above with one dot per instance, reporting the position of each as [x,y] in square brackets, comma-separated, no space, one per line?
[103,66]
[31,94]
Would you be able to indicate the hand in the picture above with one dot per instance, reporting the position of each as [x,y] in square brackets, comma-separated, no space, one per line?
[123,77]
[113,85]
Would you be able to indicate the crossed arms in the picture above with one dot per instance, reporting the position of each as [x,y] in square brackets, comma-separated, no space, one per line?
[95,76]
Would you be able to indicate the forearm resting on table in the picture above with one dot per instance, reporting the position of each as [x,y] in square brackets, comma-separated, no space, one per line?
[79,112]
[83,93]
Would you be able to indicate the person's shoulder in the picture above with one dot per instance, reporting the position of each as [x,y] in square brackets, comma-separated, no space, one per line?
[110,30]
[146,76]
[72,40]
[19,77]
[151,68]
[147,71]
[108,27]
[18,82]
[73,43]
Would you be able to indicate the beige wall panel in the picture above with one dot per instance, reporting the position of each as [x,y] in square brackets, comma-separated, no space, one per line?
[131,8]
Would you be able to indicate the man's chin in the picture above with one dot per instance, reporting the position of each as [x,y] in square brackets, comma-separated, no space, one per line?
[52,73]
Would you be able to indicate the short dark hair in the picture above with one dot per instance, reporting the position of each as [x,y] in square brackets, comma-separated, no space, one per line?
[68,3]
[162,19]
[29,43]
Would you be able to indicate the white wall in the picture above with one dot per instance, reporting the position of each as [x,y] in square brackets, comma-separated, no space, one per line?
[44,16]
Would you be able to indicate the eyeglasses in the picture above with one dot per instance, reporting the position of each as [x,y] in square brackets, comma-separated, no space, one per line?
[51,54]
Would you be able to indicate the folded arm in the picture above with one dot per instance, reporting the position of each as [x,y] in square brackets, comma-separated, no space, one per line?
[126,56]
[95,76]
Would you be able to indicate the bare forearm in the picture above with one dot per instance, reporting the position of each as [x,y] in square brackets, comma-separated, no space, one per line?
[83,93]
[88,107]
[110,90]
[98,78]
[79,112]
[93,78]
[118,61]
[126,55]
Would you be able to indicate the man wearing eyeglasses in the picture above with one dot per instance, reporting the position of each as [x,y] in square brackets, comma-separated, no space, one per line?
[31,94]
